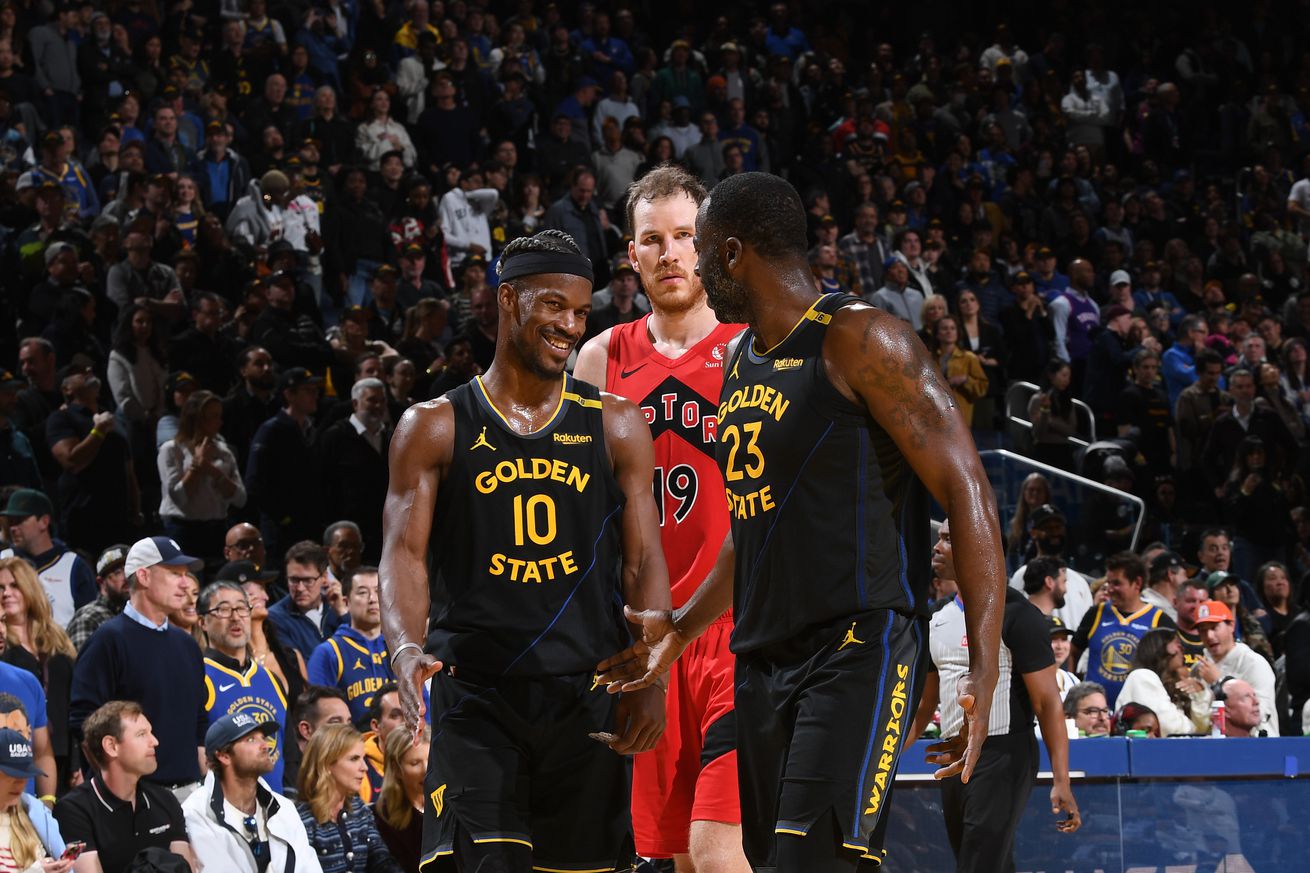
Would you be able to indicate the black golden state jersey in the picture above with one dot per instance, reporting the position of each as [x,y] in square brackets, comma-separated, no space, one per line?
[526,540]
[828,519]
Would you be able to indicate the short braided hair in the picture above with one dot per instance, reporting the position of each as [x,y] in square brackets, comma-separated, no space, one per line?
[550,240]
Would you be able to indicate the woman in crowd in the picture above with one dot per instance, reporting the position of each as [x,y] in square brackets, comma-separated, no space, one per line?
[1275,588]
[528,210]
[200,478]
[960,367]
[400,376]
[1135,717]
[1256,508]
[1159,681]
[285,663]
[185,617]
[187,209]
[382,133]
[177,389]
[426,323]
[399,809]
[35,642]
[1054,418]
[29,835]
[932,310]
[340,827]
[1034,492]
[136,377]
[983,339]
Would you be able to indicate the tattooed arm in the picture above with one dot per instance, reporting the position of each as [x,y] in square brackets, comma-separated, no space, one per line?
[877,361]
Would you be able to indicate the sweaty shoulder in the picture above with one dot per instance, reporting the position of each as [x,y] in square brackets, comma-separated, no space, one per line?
[861,336]
[593,359]
[425,434]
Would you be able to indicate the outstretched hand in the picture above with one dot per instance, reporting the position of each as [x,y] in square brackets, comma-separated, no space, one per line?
[959,754]
[639,665]
[413,669]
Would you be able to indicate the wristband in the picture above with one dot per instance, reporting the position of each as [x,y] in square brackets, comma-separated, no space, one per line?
[95,432]
[47,799]
[403,647]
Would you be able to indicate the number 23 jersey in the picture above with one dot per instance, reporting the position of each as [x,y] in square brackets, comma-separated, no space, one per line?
[828,519]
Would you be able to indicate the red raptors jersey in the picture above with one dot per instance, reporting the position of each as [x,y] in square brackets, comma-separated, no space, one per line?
[680,399]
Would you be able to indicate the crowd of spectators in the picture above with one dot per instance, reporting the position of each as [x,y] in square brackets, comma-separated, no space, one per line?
[239,238]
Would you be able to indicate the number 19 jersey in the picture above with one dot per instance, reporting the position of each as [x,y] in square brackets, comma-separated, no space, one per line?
[679,399]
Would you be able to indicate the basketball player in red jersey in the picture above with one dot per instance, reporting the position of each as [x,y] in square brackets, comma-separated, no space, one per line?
[670,363]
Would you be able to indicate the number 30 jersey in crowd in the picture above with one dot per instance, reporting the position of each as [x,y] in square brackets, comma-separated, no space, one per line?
[679,398]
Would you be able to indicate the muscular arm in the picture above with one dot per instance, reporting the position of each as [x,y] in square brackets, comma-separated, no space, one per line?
[640,717]
[1045,695]
[421,450]
[878,361]
[593,359]
[645,576]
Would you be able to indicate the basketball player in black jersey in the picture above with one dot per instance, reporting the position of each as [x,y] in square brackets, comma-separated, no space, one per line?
[533,493]
[834,428]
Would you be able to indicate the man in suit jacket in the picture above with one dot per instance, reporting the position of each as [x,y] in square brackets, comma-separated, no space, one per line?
[354,463]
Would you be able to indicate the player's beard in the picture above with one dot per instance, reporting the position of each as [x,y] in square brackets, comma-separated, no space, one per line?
[727,297]
[674,302]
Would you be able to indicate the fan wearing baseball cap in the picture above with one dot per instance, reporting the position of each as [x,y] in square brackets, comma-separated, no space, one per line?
[1226,656]
[140,656]
[113,596]
[26,814]
[67,578]
[236,821]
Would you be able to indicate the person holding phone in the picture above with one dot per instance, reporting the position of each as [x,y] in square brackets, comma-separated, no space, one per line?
[29,836]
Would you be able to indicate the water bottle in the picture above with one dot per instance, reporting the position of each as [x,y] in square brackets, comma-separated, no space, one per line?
[1218,718]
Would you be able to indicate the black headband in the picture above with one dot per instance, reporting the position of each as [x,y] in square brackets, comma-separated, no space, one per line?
[537,263]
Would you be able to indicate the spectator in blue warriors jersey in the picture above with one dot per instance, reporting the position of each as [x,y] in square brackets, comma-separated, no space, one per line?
[234,681]
[354,658]
[1110,632]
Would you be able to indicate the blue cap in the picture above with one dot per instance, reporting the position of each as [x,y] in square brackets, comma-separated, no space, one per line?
[16,758]
[588,82]
[681,102]
[887,264]
[232,727]
[157,550]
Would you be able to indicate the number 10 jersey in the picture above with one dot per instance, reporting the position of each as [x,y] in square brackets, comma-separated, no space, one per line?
[526,537]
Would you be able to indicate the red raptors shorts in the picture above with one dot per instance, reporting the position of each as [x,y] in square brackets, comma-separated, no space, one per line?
[692,774]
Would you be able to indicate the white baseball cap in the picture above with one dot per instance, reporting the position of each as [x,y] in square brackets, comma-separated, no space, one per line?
[1120,277]
[157,550]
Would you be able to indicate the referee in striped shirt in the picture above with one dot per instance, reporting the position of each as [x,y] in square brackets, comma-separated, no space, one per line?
[983,814]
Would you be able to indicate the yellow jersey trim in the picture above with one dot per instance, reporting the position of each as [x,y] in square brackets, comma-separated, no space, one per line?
[503,840]
[341,664]
[244,679]
[549,421]
[811,314]
[211,695]
[791,831]
[1125,619]
[584,402]
[563,870]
